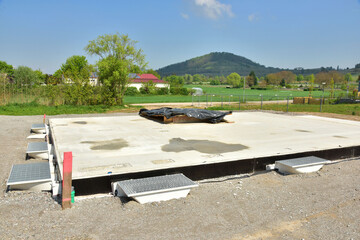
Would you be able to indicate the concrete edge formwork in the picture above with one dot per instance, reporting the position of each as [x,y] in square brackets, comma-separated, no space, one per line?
[213,170]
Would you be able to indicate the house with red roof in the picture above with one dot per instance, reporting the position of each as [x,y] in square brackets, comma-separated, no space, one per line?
[137,80]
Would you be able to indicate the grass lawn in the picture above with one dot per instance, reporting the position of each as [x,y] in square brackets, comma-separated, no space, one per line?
[280,92]
[231,94]
[346,109]
[37,109]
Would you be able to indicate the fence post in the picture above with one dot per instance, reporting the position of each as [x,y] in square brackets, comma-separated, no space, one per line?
[192,100]
[206,100]
[261,101]
[199,101]
[287,106]
[221,100]
[321,104]
[239,102]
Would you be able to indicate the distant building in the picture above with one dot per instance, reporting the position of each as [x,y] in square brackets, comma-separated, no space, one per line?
[94,79]
[136,80]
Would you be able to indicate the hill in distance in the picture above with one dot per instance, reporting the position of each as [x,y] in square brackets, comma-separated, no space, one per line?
[223,63]
[217,64]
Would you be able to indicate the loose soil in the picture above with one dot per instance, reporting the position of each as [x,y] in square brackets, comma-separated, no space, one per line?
[264,205]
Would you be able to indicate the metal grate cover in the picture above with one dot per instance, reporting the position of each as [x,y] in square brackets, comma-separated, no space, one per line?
[35,147]
[38,126]
[32,172]
[303,161]
[150,184]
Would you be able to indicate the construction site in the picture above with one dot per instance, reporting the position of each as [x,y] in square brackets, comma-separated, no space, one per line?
[253,175]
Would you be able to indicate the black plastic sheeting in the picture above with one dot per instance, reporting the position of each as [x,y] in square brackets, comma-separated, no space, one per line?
[205,115]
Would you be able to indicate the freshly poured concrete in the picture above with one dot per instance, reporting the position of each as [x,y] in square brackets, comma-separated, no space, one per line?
[119,145]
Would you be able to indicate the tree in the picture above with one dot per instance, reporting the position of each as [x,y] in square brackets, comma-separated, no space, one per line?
[6,68]
[118,58]
[348,78]
[234,80]
[299,78]
[357,66]
[25,76]
[76,69]
[40,75]
[175,81]
[252,79]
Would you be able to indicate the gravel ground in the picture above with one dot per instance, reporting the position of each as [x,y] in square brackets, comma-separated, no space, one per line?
[265,205]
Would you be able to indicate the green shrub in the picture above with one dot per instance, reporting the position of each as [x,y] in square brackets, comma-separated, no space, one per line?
[162,91]
[131,91]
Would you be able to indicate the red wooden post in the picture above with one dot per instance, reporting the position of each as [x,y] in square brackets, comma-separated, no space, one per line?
[67,180]
[44,120]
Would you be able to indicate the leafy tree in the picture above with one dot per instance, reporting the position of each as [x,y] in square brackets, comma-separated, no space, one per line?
[348,78]
[357,66]
[282,82]
[252,79]
[25,76]
[175,81]
[299,78]
[118,58]
[234,79]
[77,69]
[326,77]
[6,68]
[197,78]
[40,75]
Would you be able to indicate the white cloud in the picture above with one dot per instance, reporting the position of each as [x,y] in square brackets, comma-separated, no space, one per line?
[213,8]
[253,17]
[184,15]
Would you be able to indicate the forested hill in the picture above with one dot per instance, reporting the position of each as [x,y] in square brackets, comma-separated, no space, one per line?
[217,64]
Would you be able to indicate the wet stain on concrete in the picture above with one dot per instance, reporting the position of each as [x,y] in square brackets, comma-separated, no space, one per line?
[80,122]
[339,137]
[203,146]
[162,161]
[301,130]
[114,144]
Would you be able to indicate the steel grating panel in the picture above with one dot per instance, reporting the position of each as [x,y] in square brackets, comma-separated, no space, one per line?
[303,161]
[35,147]
[38,126]
[32,172]
[150,184]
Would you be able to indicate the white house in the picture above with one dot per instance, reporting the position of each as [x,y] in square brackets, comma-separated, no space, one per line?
[136,80]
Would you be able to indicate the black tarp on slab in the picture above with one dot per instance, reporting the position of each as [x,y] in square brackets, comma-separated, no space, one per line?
[202,114]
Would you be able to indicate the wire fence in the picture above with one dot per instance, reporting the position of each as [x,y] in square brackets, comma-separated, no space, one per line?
[259,102]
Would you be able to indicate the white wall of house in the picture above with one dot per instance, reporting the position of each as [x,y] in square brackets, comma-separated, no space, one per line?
[158,85]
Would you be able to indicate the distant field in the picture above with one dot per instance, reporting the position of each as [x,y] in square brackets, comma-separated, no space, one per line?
[228,94]
[346,109]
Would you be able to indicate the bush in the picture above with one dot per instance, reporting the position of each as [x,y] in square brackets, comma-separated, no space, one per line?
[179,91]
[131,91]
[162,91]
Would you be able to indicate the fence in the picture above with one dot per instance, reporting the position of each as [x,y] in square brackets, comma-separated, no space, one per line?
[257,102]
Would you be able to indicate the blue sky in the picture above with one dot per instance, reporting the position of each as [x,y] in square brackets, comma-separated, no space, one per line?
[42,34]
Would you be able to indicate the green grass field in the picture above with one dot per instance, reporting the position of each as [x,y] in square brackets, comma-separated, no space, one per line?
[37,109]
[346,109]
[221,93]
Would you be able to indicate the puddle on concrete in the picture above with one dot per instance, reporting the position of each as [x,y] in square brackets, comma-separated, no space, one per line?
[107,168]
[80,122]
[301,130]
[339,137]
[114,144]
[203,146]
[162,161]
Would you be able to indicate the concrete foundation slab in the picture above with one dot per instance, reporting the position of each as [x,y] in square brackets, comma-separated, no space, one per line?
[111,146]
